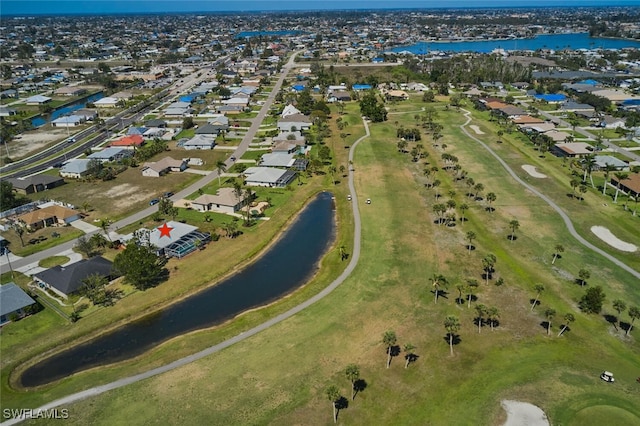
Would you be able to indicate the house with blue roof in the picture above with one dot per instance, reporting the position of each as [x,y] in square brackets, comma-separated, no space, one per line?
[76,168]
[362,87]
[552,98]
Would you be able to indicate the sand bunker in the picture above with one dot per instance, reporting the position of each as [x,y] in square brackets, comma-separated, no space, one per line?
[523,413]
[605,235]
[476,129]
[532,171]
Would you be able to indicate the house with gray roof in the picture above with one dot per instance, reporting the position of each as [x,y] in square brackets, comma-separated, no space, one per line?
[37,100]
[173,239]
[200,142]
[65,280]
[111,154]
[294,122]
[269,177]
[602,161]
[13,301]
[68,121]
[35,183]
[76,168]
[208,129]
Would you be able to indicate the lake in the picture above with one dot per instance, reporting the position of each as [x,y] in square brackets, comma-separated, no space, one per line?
[546,41]
[287,265]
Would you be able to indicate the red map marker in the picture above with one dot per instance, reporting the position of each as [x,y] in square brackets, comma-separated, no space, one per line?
[165,230]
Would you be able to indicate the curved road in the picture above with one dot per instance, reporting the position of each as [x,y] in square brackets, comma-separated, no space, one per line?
[240,337]
[548,200]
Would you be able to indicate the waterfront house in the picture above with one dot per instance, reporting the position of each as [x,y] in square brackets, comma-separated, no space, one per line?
[107,102]
[37,100]
[268,177]
[13,302]
[66,280]
[71,91]
[68,121]
[174,239]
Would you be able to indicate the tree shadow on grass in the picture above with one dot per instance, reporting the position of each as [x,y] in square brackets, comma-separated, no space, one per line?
[456,339]
[625,325]
[359,386]
[611,319]
[538,303]
[441,293]
[512,237]
[470,247]
[545,325]
[395,351]
[411,358]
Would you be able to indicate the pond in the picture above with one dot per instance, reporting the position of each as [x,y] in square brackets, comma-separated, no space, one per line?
[287,265]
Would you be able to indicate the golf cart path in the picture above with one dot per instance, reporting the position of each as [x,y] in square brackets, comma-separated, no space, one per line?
[548,200]
[240,337]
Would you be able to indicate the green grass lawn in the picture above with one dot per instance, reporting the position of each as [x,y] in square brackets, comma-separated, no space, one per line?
[280,375]
[52,261]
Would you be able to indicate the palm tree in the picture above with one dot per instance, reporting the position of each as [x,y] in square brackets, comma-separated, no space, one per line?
[559,248]
[549,313]
[409,355]
[588,162]
[607,169]
[619,306]
[353,373]
[471,285]
[470,183]
[478,188]
[619,177]
[488,262]
[491,197]
[568,319]
[574,184]
[333,395]
[19,230]
[514,225]
[481,311]
[389,339]
[104,224]
[539,288]
[493,315]
[438,281]
[470,237]
[436,183]
[463,208]
[221,167]
[634,314]
[452,325]
[583,276]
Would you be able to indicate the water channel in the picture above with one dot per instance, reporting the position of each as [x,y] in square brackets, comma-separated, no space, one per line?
[39,120]
[286,266]
[546,41]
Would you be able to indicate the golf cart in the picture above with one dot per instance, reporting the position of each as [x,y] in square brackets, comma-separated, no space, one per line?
[607,377]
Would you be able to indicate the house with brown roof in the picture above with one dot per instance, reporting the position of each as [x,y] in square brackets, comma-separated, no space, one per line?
[572,149]
[526,119]
[630,185]
[162,167]
[53,215]
[224,201]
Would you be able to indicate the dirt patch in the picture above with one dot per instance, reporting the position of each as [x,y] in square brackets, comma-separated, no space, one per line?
[476,129]
[605,235]
[533,172]
[34,141]
[523,413]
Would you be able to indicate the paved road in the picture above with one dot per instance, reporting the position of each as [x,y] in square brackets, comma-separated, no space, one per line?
[355,256]
[584,132]
[548,200]
[138,216]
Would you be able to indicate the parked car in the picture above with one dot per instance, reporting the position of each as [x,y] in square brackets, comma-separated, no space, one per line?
[607,376]
[233,158]
[154,202]
[167,194]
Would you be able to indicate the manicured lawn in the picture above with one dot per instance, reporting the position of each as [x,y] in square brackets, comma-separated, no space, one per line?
[41,239]
[280,375]
[52,261]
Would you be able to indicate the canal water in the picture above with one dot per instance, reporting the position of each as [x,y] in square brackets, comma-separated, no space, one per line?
[67,109]
[286,266]
[546,41]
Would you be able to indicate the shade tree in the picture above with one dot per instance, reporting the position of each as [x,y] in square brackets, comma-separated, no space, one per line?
[333,395]
[493,315]
[583,276]
[481,311]
[634,314]
[593,299]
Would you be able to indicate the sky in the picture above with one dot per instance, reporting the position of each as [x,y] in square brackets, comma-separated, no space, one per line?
[64,7]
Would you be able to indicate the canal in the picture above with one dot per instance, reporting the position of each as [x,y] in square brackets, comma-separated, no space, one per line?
[287,265]
[39,120]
